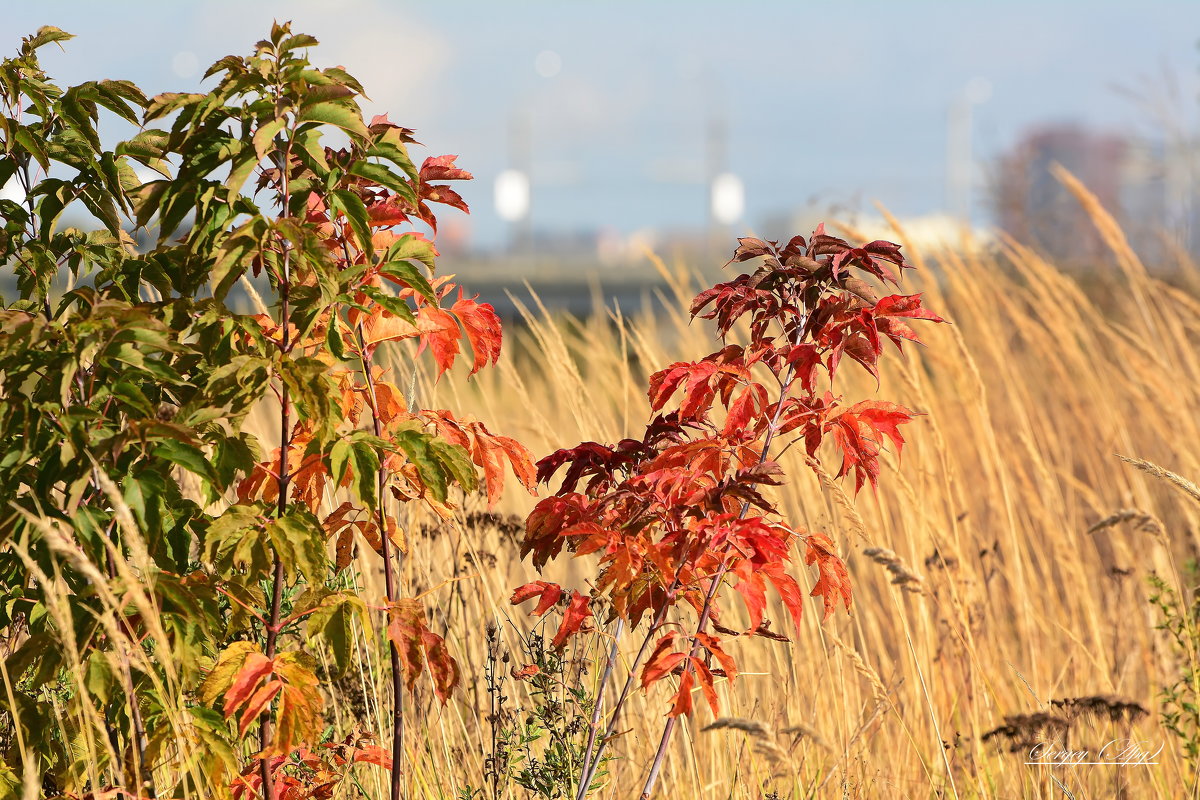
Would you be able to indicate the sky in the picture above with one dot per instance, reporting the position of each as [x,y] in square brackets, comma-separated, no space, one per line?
[611,107]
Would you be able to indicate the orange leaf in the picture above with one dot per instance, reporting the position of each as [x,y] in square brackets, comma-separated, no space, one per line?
[704,677]
[257,702]
[483,329]
[373,754]
[833,584]
[389,401]
[416,644]
[254,669]
[683,697]
[662,660]
[439,332]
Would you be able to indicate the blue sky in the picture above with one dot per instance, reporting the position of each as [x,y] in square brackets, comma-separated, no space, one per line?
[833,104]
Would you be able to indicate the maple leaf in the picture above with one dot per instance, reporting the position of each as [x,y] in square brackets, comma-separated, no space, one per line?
[550,593]
[488,450]
[255,668]
[751,404]
[833,582]
[789,592]
[576,614]
[389,402]
[526,672]
[546,522]
[682,702]
[700,381]
[663,659]
[441,168]
[704,676]
[443,194]
[858,431]
[873,258]
[601,462]
[373,754]
[482,325]
[439,332]
[805,358]
[417,646]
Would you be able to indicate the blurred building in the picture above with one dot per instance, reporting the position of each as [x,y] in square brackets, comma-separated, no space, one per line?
[1149,187]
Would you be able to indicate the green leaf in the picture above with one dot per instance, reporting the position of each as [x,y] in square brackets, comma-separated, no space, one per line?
[297,41]
[299,541]
[233,257]
[415,444]
[264,137]
[352,206]
[381,175]
[393,305]
[333,338]
[190,457]
[331,619]
[33,145]
[457,461]
[410,276]
[396,152]
[340,115]
[45,35]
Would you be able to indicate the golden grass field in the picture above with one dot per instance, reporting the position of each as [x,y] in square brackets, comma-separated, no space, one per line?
[1006,600]
[1029,397]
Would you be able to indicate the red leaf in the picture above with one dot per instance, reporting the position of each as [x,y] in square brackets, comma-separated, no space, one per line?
[547,520]
[750,587]
[704,677]
[443,194]
[578,610]
[441,168]
[750,403]
[858,432]
[713,645]
[897,305]
[833,583]
[805,358]
[789,590]
[257,702]
[416,644]
[483,330]
[550,593]
[683,698]
[442,666]
[663,660]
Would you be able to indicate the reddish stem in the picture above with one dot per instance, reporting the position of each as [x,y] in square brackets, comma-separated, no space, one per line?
[706,610]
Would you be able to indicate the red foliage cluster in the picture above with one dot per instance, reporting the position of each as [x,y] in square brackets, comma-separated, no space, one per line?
[675,513]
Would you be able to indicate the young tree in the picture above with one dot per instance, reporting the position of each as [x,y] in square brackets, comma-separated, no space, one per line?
[128,379]
[684,511]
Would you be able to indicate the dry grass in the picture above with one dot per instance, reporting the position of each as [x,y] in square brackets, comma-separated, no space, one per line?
[1024,585]
[1028,398]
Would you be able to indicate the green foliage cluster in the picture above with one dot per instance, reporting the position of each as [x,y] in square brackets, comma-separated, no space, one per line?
[155,556]
[1179,694]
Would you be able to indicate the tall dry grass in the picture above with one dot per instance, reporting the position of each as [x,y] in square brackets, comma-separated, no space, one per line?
[1028,398]
[1004,599]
